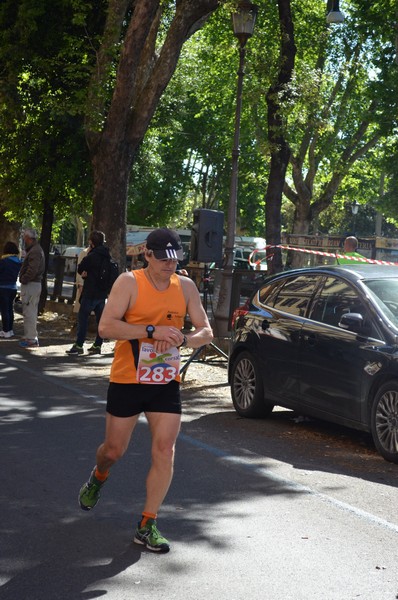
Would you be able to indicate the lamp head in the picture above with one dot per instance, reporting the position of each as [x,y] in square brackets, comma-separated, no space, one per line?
[334,15]
[243,21]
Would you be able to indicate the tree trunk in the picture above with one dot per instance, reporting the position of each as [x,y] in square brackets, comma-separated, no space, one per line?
[45,243]
[80,239]
[111,168]
[301,224]
[280,152]
[273,205]
[143,73]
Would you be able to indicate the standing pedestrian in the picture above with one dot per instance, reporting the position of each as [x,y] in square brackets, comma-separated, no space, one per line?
[93,295]
[350,250]
[10,265]
[145,312]
[30,277]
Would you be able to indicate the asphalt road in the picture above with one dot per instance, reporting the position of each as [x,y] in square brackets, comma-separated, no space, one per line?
[283,509]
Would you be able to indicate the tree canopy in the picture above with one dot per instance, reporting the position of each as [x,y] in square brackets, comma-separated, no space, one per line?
[130,104]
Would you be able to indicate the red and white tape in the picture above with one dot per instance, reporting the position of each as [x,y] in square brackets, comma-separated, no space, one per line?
[372,261]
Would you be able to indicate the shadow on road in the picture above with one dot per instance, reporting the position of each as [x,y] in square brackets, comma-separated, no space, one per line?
[286,436]
[52,422]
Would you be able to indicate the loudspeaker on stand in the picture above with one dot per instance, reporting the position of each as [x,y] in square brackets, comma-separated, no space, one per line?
[207,235]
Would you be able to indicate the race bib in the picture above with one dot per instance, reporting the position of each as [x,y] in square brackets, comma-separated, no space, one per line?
[157,368]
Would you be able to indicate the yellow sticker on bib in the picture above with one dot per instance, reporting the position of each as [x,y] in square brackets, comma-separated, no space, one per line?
[157,368]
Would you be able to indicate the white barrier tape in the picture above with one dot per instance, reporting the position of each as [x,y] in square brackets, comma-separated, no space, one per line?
[372,261]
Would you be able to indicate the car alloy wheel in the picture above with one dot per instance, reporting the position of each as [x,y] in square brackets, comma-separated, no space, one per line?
[247,388]
[384,421]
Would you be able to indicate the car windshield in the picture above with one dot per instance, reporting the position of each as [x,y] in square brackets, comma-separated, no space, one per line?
[385,294]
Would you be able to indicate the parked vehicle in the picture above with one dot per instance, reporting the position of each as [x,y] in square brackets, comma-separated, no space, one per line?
[322,341]
[248,257]
[248,278]
[72,254]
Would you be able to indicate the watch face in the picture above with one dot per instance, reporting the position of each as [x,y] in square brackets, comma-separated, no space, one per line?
[150,329]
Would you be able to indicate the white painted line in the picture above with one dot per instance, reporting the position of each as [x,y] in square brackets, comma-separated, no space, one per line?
[288,483]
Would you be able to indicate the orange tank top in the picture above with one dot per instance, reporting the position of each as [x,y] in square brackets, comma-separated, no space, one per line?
[153,307]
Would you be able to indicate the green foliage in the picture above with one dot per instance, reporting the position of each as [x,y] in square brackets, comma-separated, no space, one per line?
[185,159]
[43,58]
[343,75]
[339,72]
[341,104]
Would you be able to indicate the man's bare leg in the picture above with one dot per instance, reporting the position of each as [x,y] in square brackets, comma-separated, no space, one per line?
[117,437]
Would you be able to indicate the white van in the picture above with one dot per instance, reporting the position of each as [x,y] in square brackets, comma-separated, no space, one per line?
[242,256]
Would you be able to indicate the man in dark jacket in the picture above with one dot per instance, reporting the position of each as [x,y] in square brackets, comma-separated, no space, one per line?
[30,276]
[92,297]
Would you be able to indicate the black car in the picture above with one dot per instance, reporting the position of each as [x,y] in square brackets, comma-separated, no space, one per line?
[322,341]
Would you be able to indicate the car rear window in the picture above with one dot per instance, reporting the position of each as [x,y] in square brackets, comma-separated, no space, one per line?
[291,295]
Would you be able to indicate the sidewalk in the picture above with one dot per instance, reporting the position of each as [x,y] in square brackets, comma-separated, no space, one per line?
[206,377]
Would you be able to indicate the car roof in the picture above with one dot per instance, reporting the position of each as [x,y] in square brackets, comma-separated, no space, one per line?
[352,272]
[72,250]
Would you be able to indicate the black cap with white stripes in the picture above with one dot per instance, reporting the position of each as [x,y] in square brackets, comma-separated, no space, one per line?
[165,244]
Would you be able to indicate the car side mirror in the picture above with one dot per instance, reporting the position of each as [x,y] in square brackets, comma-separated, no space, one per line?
[351,322]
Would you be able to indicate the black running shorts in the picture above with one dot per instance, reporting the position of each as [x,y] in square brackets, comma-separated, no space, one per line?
[129,399]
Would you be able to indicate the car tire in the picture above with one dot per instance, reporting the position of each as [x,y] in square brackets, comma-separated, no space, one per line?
[247,388]
[384,421]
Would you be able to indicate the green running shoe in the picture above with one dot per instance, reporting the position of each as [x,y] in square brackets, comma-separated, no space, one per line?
[76,349]
[90,492]
[150,536]
[94,349]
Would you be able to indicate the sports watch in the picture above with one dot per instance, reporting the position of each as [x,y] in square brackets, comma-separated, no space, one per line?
[184,342]
[150,329]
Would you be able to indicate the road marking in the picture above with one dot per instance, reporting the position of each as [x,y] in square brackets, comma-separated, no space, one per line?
[288,483]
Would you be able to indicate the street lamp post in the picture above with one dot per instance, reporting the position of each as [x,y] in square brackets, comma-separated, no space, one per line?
[354,208]
[243,25]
